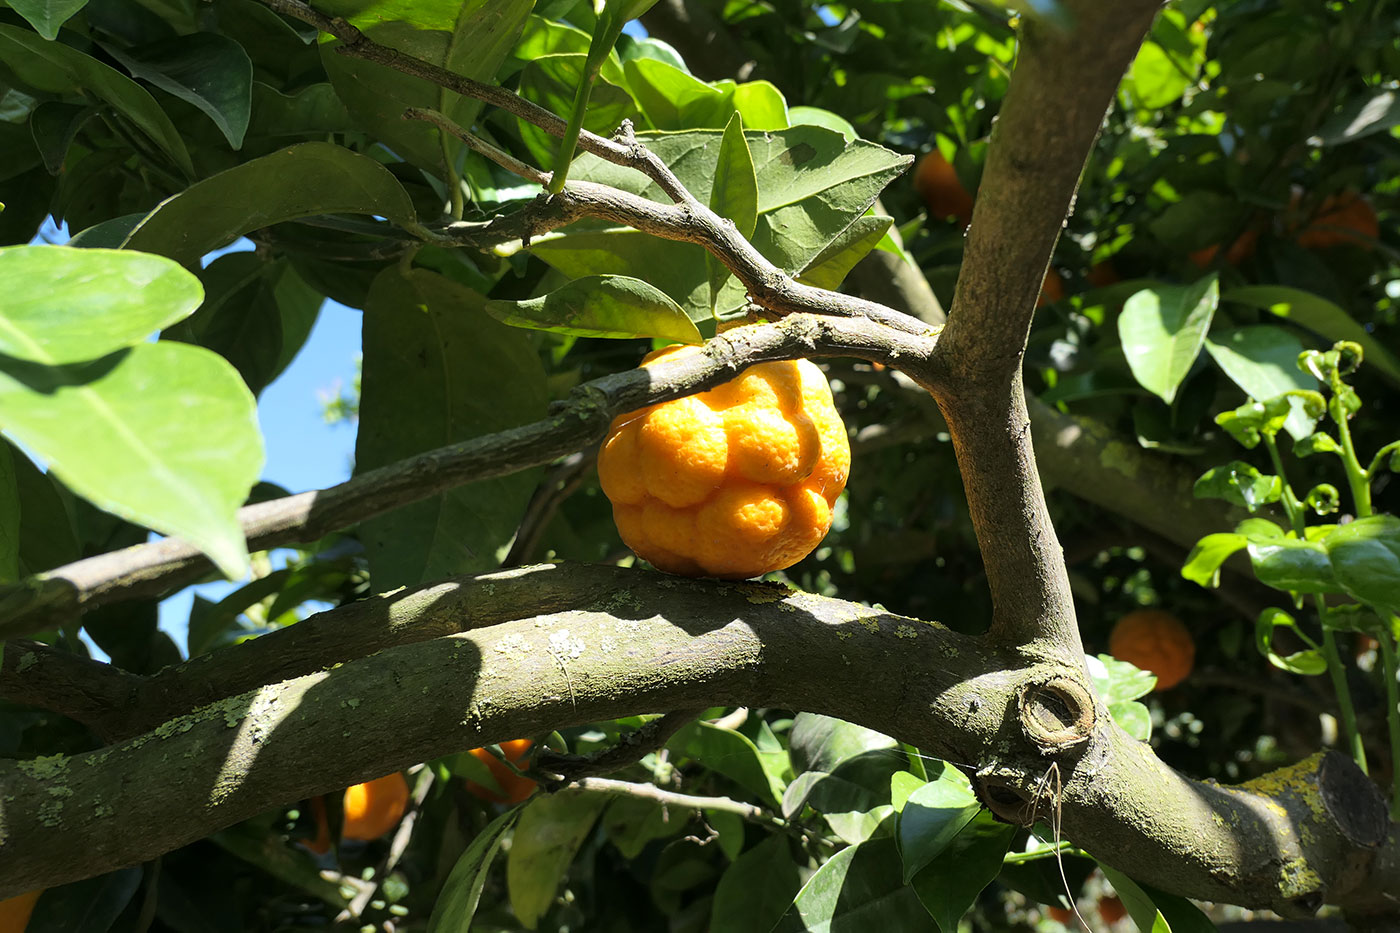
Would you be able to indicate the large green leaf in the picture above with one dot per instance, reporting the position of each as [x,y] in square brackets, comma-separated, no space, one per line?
[931,817]
[311,178]
[601,306]
[1321,316]
[1162,329]
[256,315]
[47,537]
[1376,112]
[823,743]
[858,890]
[734,195]
[55,68]
[948,885]
[205,69]
[1156,911]
[548,834]
[9,515]
[469,38]
[91,904]
[729,753]
[1365,557]
[1263,361]
[438,370]
[65,305]
[47,15]
[456,903]
[552,82]
[161,434]
[754,892]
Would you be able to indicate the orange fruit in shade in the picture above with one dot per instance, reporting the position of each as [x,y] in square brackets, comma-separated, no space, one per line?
[1239,251]
[1060,915]
[942,192]
[15,911]
[319,844]
[1155,641]
[513,787]
[1345,219]
[1052,289]
[1111,910]
[733,482]
[1102,274]
[375,807]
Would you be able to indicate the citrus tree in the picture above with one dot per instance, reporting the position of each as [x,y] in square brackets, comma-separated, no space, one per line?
[451,692]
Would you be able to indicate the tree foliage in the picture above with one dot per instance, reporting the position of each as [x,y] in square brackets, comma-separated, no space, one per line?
[1208,375]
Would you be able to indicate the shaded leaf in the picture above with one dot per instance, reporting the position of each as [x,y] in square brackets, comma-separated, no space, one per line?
[754,892]
[1363,116]
[1292,565]
[9,515]
[1239,483]
[729,753]
[931,817]
[207,70]
[456,903]
[547,835]
[90,905]
[949,884]
[859,889]
[1365,557]
[1319,315]
[1155,910]
[47,16]
[310,178]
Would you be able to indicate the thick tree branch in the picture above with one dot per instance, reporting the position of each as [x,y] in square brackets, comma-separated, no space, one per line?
[154,569]
[1286,842]
[1033,168]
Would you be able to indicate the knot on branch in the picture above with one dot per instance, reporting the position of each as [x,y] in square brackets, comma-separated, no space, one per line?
[1056,714]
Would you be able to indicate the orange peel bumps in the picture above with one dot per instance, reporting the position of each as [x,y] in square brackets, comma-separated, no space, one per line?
[733,482]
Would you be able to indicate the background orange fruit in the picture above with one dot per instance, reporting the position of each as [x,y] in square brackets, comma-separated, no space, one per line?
[733,482]
[941,190]
[375,807]
[15,911]
[1155,641]
[1345,219]
[513,787]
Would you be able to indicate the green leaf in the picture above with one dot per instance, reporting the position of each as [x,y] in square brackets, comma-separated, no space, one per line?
[47,537]
[469,38]
[55,125]
[1203,563]
[632,822]
[1240,484]
[1321,316]
[672,99]
[108,430]
[1162,330]
[65,305]
[207,70]
[456,903]
[856,826]
[47,15]
[1292,565]
[1118,681]
[822,743]
[310,178]
[1151,909]
[830,267]
[1133,718]
[438,370]
[856,891]
[734,195]
[1365,556]
[1318,443]
[92,904]
[55,68]
[1263,361]
[1154,79]
[753,893]
[1374,113]
[729,753]
[549,833]
[851,790]
[931,817]
[601,306]
[816,116]
[1252,420]
[9,515]
[1308,661]
[950,884]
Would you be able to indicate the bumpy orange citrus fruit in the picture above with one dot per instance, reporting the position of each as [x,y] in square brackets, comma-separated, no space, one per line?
[733,482]
[375,807]
[1155,641]
[513,787]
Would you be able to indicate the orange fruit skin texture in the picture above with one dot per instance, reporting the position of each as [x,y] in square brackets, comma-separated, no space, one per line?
[375,807]
[15,911]
[514,787]
[1155,641]
[733,482]
[943,193]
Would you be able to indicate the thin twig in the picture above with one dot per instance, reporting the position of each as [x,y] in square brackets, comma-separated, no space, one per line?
[680,801]
[478,145]
[561,483]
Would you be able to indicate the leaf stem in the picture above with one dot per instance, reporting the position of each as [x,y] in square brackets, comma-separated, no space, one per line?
[1392,713]
[1357,477]
[1337,672]
[1291,505]
[571,130]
